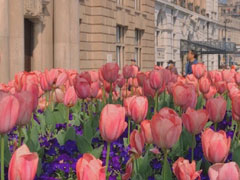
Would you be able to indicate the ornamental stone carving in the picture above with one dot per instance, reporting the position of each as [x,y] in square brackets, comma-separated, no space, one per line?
[34,9]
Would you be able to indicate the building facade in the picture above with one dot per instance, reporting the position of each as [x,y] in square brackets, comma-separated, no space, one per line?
[177,20]
[229,28]
[74,34]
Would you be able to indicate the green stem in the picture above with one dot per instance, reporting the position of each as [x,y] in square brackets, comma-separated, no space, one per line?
[155,102]
[67,117]
[126,88]
[110,94]
[235,132]
[2,157]
[215,126]
[107,160]
[165,165]
[19,136]
[129,128]
[137,167]
[193,145]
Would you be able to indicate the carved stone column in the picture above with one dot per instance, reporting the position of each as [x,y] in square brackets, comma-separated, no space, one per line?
[43,40]
[66,34]
[16,36]
[4,43]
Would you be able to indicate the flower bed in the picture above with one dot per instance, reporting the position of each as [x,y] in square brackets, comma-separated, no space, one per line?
[59,124]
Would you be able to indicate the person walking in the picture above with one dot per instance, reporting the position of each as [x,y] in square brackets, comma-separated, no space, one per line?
[192,59]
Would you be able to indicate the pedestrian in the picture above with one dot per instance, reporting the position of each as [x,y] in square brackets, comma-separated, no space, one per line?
[192,59]
[171,67]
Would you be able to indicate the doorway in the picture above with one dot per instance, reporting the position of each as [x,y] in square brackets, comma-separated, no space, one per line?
[28,44]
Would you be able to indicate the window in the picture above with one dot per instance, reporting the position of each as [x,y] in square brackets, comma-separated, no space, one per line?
[138,47]
[120,2]
[120,31]
[138,5]
[157,38]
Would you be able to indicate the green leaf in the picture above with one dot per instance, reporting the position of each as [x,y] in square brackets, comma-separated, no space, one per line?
[97,152]
[39,169]
[199,163]
[83,144]
[229,104]
[157,177]
[137,177]
[70,134]
[88,131]
[61,137]
[199,102]
[209,123]
[168,172]
[236,155]
[144,165]
[205,166]
[125,142]
[7,153]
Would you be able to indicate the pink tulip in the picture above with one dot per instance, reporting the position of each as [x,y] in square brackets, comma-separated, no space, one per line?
[237,78]
[9,112]
[221,171]
[86,75]
[146,131]
[228,76]
[94,89]
[94,76]
[43,82]
[192,80]
[234,91]
[70,98]
[135,71]
[51,76]
[110,72]
[129,170]
[82,87]
[215,76]
[215,145]
[236,107]
[34,89]
[195,120]
[112,116]
[136,142]
[184,96]
[23,164]
[59,95]
[120,81]
[166,128]
[26,100]
[127,71]
[183,170]
[139,108]
[221,86]
[204,85]
[141,78]
[89,168]
[147,89]
[61,79]
[211,93]
[198,70]
[156,79]
[216,108]
[127,101]
[170,88]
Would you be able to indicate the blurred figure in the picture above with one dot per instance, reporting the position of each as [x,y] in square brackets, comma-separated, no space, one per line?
[192,59]
[133,62]
[171,67]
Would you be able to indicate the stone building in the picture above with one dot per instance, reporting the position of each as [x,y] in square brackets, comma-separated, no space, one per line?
[74,34]
[176,20]
[229,27]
